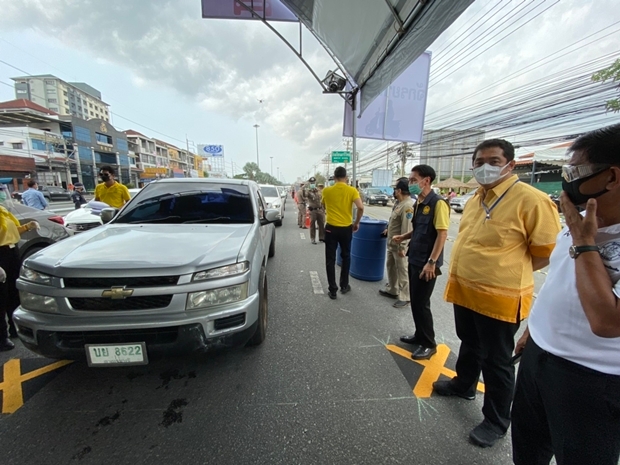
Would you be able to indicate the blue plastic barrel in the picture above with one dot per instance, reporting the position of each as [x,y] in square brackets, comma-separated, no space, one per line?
[369,250]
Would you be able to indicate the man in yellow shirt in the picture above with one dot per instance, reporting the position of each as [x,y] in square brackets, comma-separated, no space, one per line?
[431,219]
[110,191]
[508,231]
[338,201]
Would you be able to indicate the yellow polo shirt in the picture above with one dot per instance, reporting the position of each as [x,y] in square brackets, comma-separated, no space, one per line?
[115,196]
[491,263]
[338,200]
[9,228]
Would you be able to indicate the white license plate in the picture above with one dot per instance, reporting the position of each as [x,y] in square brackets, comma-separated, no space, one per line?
[116,354]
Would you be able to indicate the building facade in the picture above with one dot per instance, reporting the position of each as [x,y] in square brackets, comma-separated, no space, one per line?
[450,152]
[65,98]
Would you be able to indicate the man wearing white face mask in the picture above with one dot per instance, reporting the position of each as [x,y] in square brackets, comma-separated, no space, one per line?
[507,231]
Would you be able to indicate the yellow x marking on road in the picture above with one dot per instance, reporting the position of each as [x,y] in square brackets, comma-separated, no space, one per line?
[433,368]
[11,386]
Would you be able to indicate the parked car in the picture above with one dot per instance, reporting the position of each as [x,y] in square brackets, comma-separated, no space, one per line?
[272,196]
[55,193]
[458,203]
[373,196]
[31,242]
[88,216]
[193,254]
[283,195]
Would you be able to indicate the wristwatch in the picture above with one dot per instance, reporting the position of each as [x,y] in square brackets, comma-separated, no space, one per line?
[431,261]
[575,250]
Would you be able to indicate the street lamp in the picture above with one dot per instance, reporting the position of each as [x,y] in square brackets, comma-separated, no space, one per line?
[278,173]
[271,166]
[256,126]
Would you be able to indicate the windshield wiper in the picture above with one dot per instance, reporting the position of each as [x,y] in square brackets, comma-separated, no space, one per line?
[208,220]
[155,220]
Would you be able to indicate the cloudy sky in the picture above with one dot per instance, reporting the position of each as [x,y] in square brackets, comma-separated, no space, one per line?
[157,63]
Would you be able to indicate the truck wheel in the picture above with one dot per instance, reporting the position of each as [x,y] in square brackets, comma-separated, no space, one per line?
[263,312]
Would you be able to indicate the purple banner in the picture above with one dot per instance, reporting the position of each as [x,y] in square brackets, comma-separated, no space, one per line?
[272,10]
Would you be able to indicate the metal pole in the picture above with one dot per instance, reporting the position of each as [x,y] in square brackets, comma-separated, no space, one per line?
[533,172]
[271,166]
[353,106]
[256,126]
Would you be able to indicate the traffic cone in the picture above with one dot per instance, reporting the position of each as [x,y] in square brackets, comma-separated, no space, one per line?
[307,219]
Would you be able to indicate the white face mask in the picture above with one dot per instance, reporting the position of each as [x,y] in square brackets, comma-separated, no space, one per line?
[488,174]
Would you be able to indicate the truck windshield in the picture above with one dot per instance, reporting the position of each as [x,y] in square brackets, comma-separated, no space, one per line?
[176,203]
[269,191]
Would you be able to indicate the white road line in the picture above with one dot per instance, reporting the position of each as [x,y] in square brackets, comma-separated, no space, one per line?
[303,236]
[316,283]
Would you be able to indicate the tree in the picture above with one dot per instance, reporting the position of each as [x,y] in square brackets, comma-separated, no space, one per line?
[320,179]
[251,170]
[611,72]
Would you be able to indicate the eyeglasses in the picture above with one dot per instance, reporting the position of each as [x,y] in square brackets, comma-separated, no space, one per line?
[573,172]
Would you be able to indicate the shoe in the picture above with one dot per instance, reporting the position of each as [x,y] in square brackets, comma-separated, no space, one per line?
[401,303]
[387,294]
[423,353]
[314,242]
[6,344]
[332,295]
[344,290]
[409,340]
[446,389]
[321,240]
[304,228]
[485,435]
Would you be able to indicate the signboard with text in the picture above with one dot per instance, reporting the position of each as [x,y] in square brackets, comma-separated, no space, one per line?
[211,150]
[272,10]
[341,157]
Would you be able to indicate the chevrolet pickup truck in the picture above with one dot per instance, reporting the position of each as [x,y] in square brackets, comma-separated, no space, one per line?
[182,267]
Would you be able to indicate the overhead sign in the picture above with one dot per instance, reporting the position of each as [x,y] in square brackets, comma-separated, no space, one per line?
[398,113]
[341,157]
[211,150]
[272,10]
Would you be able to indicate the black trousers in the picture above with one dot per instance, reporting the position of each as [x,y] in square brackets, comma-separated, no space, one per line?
[487,345]
[565,409]
[9,295]
[334,236]
[420,292]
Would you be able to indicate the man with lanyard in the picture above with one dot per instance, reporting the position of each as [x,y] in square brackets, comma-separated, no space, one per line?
[110,191]
[507,231]
[317,214]
[431,219]
[396,264]
[567,399]
[339,200]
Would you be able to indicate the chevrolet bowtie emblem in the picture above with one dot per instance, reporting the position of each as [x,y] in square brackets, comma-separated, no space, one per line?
[117,293]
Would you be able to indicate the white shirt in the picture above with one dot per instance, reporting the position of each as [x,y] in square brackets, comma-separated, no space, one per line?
[558,323]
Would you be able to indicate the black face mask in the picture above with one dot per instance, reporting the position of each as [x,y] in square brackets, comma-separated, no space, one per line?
[105,177]
[575,195]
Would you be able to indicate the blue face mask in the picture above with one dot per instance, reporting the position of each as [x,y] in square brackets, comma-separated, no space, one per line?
[415,189]
[2,196]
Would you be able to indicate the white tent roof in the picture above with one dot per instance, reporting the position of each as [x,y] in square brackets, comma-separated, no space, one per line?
[376,40]
[556,154]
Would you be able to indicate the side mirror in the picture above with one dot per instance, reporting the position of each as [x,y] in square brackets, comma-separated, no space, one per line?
[271,216]
[107,214]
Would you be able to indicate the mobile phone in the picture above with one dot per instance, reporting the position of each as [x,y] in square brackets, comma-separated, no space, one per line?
[516,358]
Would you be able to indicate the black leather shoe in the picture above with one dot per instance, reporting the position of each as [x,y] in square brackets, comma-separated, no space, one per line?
[446,388]
[332,295]
[485,435]
[387,294]
[400,304]
[314,242]
[423,353]
[409,340]
[6,344]
[344,290]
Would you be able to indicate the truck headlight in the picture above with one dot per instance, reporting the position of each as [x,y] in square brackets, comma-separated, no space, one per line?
[222,271]
[212,297]
[38,303]
[35,276]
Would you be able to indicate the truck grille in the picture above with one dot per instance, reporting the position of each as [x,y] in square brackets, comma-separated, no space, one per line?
[77,339]
[81,227]
[98,304]
[150,281]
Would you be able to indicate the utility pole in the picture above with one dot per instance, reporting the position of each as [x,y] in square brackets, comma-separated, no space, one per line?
[256,126]
[271,166]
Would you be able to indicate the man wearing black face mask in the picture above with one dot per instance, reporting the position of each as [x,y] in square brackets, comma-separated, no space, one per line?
[567,399]
[109,191]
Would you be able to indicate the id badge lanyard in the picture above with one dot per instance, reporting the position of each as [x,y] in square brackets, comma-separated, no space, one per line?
[488,209]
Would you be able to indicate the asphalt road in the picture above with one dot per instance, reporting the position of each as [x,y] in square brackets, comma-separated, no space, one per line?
[329,386]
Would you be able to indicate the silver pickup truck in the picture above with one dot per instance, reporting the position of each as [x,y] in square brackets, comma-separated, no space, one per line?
[181,267]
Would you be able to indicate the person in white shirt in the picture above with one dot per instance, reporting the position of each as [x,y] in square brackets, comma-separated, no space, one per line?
[567,399]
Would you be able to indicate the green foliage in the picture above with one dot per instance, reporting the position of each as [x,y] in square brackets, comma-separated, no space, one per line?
[253,172]
[320,179]
[130,185]
[611,72]
[205,174]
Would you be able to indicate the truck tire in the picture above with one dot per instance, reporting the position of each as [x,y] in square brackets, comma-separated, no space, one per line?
[263,312]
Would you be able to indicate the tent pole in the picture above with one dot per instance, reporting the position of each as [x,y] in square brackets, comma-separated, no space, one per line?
[533,172]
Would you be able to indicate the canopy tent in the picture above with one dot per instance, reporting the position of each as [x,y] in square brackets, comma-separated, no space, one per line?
[376,40]
[472,184]
[551,154]
[450,183]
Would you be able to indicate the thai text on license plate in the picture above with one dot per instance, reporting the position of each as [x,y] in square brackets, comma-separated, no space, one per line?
[116,354]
